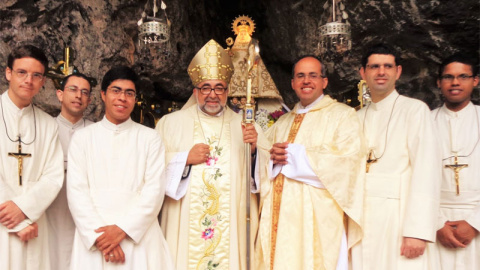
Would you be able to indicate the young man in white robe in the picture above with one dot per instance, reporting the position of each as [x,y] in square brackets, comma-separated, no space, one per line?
[458,127]
[31,172]
[116,185]
[203,217]
[74,97]
[402,180]
[312,203]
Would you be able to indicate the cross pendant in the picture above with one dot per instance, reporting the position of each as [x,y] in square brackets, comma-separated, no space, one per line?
[456,168]
[371,159]
[19,156]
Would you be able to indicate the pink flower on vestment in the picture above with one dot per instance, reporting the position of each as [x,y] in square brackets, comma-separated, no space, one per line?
[208,233]
[211,161]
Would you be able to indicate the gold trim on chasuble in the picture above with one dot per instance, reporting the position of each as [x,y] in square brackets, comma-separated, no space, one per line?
[209,233]
[278,188]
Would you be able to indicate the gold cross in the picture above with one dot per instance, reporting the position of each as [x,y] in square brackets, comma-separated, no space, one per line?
[456,168]
[19,156]
[371,159]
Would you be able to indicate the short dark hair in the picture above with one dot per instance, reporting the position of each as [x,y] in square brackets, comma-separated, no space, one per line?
[464,58]
[27,51]
[323,67]
[79,75]
[381,48]
[119,73]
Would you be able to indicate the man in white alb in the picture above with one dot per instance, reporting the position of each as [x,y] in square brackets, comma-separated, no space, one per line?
[74,97]
[458,127]
[116,185]
[402,179]
[31,171]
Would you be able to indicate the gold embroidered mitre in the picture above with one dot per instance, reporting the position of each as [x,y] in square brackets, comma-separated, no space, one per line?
[212,62]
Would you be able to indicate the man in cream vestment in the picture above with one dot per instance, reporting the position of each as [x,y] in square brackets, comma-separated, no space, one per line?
[402,180]
[74,98]
[25,197]
[312,205]
[458,127]
[203,217]
[116,185]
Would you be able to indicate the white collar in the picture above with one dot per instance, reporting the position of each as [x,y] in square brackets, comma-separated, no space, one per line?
[305,109]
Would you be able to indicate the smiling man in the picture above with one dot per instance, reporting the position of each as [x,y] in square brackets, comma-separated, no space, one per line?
[116,185]
[31,171]
[402,180]
[74,97]
[312,202]
[458,127]
[204,214]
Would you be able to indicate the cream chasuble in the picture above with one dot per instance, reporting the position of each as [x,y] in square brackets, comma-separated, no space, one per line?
[41,181]
[60,222]
[308,221]
[206,229]
[459,136]
[402,186]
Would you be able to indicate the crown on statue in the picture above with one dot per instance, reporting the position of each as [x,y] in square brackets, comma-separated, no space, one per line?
[211,62]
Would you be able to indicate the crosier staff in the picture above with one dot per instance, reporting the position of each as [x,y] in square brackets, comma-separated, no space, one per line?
[248,118]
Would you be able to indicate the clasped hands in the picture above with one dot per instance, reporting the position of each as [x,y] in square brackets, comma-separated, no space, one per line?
[11,215]
[109,243]
[456,234]
[200,152]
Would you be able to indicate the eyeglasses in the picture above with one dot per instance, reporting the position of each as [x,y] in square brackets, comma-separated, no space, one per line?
[311,76]
[451,78]
[22,74]
[377,66]
[130,93]
[73,89]
[206,90]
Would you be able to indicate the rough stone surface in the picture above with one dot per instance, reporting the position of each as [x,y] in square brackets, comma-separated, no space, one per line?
[104,33]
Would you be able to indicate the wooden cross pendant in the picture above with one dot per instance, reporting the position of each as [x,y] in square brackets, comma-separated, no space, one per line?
[371,159]
[19,156]
[456,168]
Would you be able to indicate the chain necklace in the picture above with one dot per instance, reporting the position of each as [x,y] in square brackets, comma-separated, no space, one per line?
[375,158]
[221,130]
[478,134]
[19,137]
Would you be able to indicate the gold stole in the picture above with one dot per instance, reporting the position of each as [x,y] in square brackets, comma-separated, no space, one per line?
[278,188]
[209,228]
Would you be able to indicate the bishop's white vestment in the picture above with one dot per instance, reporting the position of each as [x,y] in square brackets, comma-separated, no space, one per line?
[203,217]
[402,186]
[305,216]
[60,221]
[42,179]
[459,134]
[116,177]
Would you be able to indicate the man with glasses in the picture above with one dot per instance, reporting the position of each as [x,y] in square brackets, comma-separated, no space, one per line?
[402,173]
[312,202]
[31,171]
[204,214]
[458,127]
[116,185]
[74,97]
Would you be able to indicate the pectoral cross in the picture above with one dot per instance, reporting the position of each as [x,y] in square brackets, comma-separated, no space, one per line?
[19,156]
[456,168]
[371,159]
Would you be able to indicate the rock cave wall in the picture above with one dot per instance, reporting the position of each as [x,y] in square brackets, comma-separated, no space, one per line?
[104,33]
